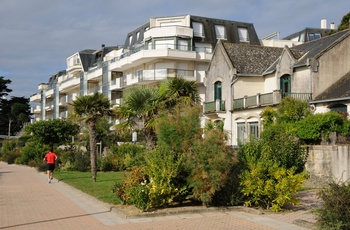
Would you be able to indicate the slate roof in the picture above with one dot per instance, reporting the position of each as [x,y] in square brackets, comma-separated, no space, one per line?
[231,28]
[251,59]
[316,47]
[340,89]
[306,31]
[85,58]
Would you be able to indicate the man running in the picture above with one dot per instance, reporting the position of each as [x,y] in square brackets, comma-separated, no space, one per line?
[50,159]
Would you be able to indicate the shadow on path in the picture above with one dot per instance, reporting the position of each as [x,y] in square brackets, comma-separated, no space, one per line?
[56,219]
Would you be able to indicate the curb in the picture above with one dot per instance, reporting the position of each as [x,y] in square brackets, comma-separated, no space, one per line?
[126,215]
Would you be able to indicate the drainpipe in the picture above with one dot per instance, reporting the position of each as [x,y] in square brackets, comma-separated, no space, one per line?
[234,79]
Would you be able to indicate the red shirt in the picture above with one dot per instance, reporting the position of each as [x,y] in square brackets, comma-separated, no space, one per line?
[50,157]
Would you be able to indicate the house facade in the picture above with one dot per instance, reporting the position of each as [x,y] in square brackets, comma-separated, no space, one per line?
[179,46]
[243,79]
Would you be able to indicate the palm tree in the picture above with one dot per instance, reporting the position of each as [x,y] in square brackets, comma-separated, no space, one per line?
[91,108]
[138,110]
[177,90]
[143,103]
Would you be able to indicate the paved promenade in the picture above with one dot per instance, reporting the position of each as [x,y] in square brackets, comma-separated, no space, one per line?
[28,202]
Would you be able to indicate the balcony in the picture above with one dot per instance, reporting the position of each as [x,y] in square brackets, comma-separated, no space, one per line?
[214,106]
[70,84]
[35,109]
[161,74]
[169,31]
[94,89]
[74,69]
[267,99]
[35,97]
[138,56]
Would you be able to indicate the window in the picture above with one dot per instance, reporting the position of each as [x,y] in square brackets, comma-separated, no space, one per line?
[240,132]
[311,37]
[220,32]
[339,108]
[217,91]
[243,34]
[198,29]
[253,130]
[138,74]
[149,45]
[314,36]
[137,36]
[164,44]
[182,44]
[285,85]
[130,40]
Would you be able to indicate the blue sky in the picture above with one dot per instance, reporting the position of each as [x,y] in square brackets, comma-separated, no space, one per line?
[36,36]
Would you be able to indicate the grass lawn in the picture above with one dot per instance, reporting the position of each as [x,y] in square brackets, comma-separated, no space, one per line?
[101,189]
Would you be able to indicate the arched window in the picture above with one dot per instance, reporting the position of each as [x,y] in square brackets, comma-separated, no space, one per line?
[285,85]
[217,91]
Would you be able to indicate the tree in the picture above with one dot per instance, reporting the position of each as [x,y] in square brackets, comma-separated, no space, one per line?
[90,109]
[142,104]
[53,131]
[14,114]
[4,90]
[138,110]
[344,24]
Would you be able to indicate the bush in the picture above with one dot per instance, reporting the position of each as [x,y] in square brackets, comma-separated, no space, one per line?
[265,179]
[267,185]
[163,168]
[73,160]
[32,152]
[335,211]
[211,162]
[311,128]
[133,189]
[106,163]
[127,156]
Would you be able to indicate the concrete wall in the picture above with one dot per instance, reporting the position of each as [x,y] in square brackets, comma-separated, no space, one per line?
[332,66]
[326,163]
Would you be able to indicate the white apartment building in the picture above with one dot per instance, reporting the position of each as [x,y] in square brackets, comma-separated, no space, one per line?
[161,48]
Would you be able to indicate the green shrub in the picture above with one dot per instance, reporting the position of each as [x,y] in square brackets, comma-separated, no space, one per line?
[73,160]
[32,152]
[311,128]
[335,211]
[211,162]
[282,147]
[163,167]
[127,156]
[106,163]
[266,177]
[133,190]
[267,185]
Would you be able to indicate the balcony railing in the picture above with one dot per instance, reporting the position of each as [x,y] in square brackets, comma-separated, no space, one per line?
[214,106]
[267,99]
[162,47]
[160,74]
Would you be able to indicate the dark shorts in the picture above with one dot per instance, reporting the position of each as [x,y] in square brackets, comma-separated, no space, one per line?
[50,167]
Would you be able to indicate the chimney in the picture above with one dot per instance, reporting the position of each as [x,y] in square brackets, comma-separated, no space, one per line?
[332,26]
[324,24]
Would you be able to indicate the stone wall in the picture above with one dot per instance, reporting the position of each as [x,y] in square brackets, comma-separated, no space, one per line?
[326,163]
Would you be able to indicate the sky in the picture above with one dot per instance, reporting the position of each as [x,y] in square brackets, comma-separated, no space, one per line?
[37,36]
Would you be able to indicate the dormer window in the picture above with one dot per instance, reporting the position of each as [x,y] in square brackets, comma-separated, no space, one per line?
[220,32]
[243,34]
[198,29]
